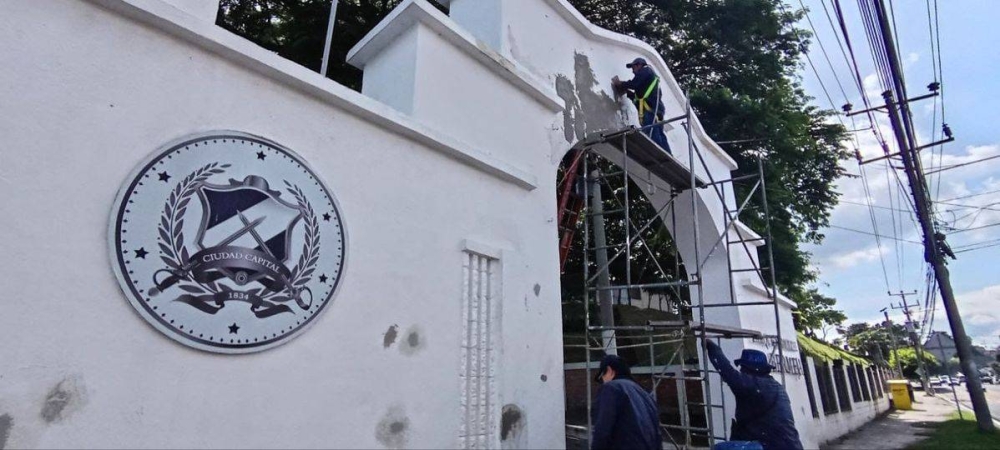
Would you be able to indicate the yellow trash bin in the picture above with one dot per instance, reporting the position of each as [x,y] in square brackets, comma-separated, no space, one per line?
[899,390]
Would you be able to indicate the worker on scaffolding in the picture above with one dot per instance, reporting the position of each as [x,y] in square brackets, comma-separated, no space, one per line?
[763,409]
[644,90]
[624,415]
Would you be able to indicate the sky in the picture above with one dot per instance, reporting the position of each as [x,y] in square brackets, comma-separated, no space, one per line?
[852,266]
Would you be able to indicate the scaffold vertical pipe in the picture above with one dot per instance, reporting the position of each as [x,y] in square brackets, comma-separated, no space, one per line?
[729,259]
[628,223]
[586,291]
[702,357]
[682,402]
[770,268]
[652,371]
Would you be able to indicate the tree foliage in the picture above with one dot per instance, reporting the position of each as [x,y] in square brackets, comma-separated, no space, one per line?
[296,29]
[816,312]
[908,361]
[738,60]
[876,341]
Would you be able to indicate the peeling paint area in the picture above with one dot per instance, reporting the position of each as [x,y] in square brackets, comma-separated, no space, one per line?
[588,108]
[62,400]
[390,336]
[6,423]
[566,91]
[393,431]
[413,341]
[511,422]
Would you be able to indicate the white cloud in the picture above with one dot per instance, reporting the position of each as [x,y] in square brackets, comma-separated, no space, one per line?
[980,311]
[855,257]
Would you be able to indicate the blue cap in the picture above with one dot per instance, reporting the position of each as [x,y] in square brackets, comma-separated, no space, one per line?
[754,360]
[635,62]
[619,365]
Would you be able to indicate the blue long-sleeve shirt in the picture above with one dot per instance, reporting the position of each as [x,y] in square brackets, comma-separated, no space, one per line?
[625,417]
[763,409]
[640,83]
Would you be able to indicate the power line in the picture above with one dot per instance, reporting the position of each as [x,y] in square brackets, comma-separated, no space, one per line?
[987,207]
[977,244]
[976,228]
[968,196]
[823,50]
[873,234]
[871,213]
[876,131]
[955,166]
[978,248]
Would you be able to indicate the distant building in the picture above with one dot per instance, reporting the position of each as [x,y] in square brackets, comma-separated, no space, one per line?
[941,345]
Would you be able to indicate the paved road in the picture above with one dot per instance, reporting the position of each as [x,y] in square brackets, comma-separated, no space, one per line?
[992,398]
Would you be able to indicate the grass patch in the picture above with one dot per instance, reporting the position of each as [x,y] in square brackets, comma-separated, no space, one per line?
[959,433]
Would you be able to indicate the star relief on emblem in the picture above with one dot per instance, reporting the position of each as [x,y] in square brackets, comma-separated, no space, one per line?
[198,275]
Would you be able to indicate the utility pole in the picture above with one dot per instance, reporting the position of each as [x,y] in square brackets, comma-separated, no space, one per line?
[902,126]
[892,341]
[914,338]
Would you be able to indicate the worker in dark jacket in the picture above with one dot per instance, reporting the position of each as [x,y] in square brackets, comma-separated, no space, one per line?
[644,90]
[763,410]
[624,415]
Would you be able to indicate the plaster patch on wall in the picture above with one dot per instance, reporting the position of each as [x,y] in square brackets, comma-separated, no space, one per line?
[390,336]
[565,91]
[393,431]
[589,108]
[413,341]
[62,400]
[511,423]
[6,423]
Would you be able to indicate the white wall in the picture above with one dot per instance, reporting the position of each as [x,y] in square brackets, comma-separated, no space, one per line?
[816,431]
[454,144]
[96,90]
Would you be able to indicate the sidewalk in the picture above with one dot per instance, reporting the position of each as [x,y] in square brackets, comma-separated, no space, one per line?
[897,429]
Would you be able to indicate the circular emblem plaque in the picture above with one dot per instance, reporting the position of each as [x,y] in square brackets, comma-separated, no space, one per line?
[227,242]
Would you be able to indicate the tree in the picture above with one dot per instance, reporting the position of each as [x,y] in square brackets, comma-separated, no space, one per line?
[908,360]
[736,58]
[738,61]
[296,29]
[875,340]
[815,312]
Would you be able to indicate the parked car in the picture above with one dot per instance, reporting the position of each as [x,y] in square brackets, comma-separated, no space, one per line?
[986,378]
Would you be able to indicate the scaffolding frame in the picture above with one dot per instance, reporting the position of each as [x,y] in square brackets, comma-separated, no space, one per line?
[667,332]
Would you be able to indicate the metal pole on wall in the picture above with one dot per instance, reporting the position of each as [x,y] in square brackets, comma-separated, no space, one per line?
[606,314]
[329,38]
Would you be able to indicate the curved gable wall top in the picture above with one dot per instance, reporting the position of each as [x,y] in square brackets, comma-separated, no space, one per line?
[523,31]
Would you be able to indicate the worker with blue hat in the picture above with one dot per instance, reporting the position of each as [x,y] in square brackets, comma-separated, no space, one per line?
[644,90]
[763,409]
